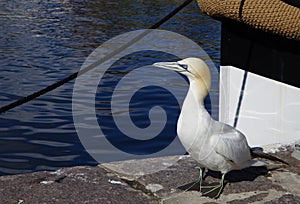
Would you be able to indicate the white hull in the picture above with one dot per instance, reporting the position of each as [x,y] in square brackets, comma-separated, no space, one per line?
[269,110]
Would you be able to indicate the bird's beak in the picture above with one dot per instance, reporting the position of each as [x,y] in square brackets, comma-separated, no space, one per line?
[170,65]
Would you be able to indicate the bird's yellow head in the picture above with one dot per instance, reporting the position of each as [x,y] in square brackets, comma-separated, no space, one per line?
[194,68]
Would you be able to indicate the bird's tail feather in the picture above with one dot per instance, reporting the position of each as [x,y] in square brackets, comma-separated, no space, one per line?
[266,156]
[258,163]
[267,165]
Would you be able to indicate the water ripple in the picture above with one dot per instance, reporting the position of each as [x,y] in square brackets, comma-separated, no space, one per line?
[42,42]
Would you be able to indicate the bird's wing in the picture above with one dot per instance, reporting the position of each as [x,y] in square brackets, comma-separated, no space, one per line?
[232,144]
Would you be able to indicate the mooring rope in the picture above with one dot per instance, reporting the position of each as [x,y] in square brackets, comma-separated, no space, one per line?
[90,67]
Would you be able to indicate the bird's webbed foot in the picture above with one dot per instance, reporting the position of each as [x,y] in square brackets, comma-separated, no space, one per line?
[213,191]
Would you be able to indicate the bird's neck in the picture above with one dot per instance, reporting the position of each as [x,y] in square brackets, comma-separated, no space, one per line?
[194,120]
[193,105]
[197,92]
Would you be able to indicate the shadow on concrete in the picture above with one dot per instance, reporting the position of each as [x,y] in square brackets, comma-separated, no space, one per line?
[247,174]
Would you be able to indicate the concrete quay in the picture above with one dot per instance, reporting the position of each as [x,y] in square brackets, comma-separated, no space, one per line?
[155,180]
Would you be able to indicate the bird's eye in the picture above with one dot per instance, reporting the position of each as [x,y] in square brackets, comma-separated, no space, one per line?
[184,66]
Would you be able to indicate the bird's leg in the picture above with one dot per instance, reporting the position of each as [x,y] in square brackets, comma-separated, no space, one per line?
[200,179]
[220,186]
[189,186]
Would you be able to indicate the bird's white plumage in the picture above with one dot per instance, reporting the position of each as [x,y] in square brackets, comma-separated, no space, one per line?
[214,145]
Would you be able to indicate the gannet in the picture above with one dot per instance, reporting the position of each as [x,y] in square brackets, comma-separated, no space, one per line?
[214,145]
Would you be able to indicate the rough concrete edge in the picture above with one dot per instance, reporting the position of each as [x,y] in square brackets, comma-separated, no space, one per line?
[146,166]
[277,147]
[132,182]
[288,180]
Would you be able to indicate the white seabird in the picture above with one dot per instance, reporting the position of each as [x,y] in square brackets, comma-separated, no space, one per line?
[213,144]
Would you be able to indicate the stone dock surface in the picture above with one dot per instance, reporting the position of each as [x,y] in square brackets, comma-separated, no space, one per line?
[155,180]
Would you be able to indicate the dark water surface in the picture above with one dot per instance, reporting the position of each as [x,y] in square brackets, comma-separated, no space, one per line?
[43,41]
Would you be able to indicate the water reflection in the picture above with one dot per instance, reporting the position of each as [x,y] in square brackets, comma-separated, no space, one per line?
[44,41]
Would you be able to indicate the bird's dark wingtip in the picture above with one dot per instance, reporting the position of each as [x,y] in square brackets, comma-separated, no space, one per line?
[255,153]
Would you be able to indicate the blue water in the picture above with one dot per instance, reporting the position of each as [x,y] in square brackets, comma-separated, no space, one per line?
[43,41]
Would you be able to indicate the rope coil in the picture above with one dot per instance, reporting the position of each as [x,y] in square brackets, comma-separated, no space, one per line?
[274,16]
